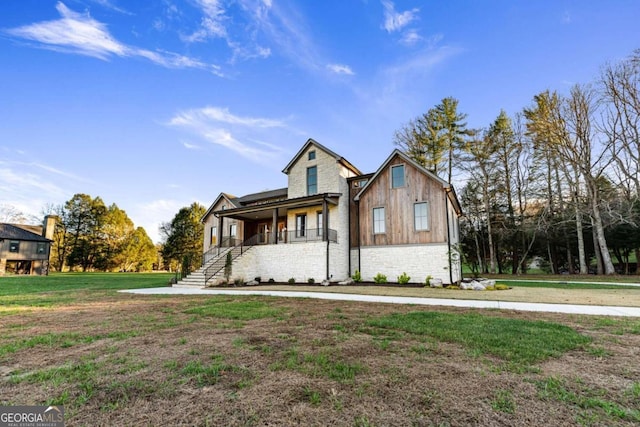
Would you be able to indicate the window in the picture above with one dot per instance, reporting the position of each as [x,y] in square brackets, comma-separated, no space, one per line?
[214,235]
[233,228]
[397,176]
[301,225]
[41,248]
[378,221]
[312,180]
[319,223]
[421,216]
[312,155]
[14,246]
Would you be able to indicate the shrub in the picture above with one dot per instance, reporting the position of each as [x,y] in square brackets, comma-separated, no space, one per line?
[311,280]
[501,287]
[428,280]
[238,281]
[271,280]
[292,281]
[357,277]
[403,279]
[380,278]
[258,279]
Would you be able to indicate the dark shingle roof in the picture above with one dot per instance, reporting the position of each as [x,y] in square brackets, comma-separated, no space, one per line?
[264,195]
[15,232]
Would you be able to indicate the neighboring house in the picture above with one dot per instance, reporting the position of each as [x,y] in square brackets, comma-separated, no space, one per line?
[25,249]
[332,220]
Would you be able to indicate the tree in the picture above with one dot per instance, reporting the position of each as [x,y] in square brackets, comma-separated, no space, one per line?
[184,237]
[85,218]
[481,166]
[91,236]
[434,139]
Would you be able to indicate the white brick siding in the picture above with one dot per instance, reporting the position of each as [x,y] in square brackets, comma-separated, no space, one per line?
[300,261]
[418,261]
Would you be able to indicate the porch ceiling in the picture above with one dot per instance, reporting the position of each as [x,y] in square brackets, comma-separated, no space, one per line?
[265,211]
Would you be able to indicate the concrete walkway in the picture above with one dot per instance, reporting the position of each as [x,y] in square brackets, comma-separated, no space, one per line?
[598,310]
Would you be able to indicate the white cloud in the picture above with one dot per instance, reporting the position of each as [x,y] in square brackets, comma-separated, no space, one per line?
[395,21]
[212,24]
[110,5]
[220,127]
[190,146]
[410,38]
[340,69]
[81,34]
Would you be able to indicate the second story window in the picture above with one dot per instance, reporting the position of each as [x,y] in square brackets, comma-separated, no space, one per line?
[312,180]
[41,248]
[14,246]
[312,155]
[397,176]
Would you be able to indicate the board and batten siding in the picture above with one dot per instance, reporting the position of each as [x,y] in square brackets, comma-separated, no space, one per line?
[399,208]
[212,221]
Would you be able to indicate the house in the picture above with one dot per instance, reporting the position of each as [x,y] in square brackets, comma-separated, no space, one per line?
[25,249]
[332,220]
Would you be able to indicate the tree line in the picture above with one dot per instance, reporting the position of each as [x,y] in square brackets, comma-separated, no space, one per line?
[559,182]
[90,236]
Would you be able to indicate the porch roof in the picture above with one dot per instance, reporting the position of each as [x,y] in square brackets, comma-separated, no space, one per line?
[264,211]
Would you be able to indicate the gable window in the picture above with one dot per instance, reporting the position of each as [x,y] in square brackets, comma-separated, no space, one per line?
[14,246]
[214,235]
[40,248]
[233,229]
[312,180]
[312,155]
[397,176]
[378,221]
[421,216]
[301,225]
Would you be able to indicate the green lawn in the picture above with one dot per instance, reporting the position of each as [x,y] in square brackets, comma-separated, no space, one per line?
[72,339]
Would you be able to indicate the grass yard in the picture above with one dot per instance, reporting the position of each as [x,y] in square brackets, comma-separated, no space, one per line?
[122,359]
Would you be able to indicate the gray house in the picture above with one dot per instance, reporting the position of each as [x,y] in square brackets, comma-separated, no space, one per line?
[25,249]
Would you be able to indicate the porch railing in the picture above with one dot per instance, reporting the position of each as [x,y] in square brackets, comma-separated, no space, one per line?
[218,264]
[296,236]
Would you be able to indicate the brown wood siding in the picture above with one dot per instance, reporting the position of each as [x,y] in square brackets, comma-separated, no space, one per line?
[399,208]
[28,250]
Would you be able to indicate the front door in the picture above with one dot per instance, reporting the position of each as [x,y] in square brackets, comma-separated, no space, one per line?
[263,233]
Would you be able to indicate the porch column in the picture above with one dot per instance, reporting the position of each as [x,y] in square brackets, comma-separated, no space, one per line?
[274,226]
[220,231]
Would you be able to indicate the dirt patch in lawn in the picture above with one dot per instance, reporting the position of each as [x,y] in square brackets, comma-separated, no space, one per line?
[145,360]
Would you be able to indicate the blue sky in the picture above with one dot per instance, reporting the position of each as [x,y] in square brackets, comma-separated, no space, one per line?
[153,105]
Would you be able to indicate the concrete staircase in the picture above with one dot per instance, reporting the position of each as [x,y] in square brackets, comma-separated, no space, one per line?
[193,280]
[197,278]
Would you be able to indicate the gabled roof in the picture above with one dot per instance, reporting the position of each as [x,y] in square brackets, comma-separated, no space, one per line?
[445,185]
[228,197]
[18,232]
[238,202]
[344,162]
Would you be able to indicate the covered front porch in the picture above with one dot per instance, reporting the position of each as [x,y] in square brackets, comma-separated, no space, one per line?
[299,220]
